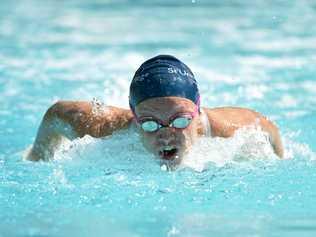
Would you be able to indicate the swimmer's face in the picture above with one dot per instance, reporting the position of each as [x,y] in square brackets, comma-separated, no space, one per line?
[168,143]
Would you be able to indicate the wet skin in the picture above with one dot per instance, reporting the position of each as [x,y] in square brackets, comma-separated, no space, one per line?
[76,119]
[168,143]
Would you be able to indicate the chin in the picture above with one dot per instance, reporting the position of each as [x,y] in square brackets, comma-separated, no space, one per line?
[170,165]
[170,159]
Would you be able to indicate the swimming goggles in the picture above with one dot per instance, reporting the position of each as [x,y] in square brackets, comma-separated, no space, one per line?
[179,121]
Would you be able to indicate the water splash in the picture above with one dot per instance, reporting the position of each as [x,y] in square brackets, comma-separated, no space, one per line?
[99,108]
[249,143]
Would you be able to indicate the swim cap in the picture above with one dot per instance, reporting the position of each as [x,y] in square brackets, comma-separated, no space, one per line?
[161,76]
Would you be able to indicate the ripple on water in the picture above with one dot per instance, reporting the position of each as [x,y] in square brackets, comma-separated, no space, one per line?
[249,53]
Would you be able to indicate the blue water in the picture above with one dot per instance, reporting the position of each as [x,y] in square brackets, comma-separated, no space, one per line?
[256,54]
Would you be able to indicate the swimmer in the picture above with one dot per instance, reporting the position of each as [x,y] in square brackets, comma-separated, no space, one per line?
[164,108]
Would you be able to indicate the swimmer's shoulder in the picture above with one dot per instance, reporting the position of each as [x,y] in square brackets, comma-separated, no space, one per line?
[225,120]
[229,112]
[92,118]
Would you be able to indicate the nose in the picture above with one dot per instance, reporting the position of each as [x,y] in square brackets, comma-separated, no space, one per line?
[166,136]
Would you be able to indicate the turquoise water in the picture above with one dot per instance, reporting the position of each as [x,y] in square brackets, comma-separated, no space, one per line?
[256,54]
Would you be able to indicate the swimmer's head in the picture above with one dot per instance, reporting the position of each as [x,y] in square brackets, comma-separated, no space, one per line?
[164,89]
[163,76]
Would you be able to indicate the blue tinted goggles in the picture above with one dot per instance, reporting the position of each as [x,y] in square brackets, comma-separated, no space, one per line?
[153,125]
[178,121]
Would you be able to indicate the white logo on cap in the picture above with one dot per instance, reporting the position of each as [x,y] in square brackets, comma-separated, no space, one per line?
[183,72]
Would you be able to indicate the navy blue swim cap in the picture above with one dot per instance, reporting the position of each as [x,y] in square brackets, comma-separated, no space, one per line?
[161,76]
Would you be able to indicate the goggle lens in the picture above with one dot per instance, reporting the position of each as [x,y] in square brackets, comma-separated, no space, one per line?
[150,126]
[181,122]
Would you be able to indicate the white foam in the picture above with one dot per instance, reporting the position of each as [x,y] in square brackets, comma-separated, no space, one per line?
[248,143]
[309,86]
[291,44]
[214,76]
[124,148]
[296,149]
[268,62]
[287,101]
[253,91]
[295,114]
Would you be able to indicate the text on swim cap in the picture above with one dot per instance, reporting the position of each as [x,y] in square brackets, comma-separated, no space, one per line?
[179,71]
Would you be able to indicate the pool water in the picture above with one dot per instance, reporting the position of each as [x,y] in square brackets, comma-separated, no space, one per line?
[256,54]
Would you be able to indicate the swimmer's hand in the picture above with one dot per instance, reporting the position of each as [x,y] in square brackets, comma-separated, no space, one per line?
[34,155]
[67,119]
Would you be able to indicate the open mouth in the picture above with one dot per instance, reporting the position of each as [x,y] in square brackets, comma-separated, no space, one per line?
[168,153]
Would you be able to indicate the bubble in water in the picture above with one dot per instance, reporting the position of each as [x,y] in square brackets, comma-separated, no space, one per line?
[98,108]
[164,167]
[173,231]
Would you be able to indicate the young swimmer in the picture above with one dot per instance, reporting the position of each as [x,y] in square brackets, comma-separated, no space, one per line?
[164,107]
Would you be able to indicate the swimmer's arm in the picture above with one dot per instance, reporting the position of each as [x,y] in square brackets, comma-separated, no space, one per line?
[50,135]
[75,119]
[274,135]
[226,120]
